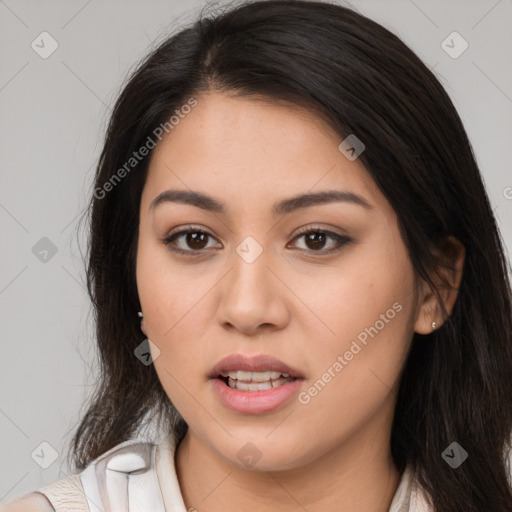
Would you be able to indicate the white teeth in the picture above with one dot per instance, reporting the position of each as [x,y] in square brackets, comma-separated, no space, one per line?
[254,376]
[256,386]
[256,381]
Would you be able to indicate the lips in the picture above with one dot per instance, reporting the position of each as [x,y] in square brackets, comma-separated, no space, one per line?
[258,384]
[259,363]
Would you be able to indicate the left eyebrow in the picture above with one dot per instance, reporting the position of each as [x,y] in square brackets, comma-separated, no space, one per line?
[327,196]
[283,207]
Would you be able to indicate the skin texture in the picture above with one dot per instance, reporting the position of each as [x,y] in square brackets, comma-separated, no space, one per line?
[303,308]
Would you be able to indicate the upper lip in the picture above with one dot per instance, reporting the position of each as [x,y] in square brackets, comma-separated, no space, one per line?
[258,363]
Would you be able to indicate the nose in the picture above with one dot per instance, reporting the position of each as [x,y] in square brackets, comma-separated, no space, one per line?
[253,297]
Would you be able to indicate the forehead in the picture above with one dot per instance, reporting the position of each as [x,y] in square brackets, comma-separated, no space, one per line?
[252,150]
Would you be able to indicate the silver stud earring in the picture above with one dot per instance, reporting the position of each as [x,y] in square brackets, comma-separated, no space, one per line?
[433,326]
[140,314]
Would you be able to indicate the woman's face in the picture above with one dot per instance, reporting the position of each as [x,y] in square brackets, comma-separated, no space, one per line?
[340,313]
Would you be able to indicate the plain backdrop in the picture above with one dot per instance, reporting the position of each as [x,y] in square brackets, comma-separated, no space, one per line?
[53,113]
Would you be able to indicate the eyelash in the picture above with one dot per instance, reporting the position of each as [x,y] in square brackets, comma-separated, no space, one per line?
[340,239]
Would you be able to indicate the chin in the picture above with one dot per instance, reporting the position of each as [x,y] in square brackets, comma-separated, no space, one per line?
[260,453]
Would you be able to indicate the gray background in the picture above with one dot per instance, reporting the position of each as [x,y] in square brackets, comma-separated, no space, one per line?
[53,113]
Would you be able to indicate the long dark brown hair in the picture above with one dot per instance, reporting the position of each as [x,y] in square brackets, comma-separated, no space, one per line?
[362,79]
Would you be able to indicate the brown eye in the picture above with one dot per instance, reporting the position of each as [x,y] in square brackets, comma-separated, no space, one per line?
[196,240]
[192,241]
[315,240]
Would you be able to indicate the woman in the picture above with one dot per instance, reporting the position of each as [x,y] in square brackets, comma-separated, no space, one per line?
[288,203]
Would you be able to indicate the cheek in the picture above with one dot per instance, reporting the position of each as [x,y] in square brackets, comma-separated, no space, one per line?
[369,295]
[354,375]
[366,315]
[181,366]
[166,291]
[174,368]
[171,300]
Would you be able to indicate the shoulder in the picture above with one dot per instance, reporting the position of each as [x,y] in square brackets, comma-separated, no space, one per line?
[33,502]
[61,495]
[76,489]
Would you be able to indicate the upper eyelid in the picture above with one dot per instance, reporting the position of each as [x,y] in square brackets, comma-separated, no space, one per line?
[301,232]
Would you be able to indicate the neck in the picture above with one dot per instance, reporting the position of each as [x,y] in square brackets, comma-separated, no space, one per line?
[356,475]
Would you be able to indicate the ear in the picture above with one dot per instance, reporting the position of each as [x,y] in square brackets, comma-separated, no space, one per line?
[142,322]
[447,280]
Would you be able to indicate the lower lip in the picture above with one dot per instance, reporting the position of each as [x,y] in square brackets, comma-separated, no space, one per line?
[255,402]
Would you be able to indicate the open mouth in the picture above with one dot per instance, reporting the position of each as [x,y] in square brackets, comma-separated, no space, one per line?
[257,386]
[255,381]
